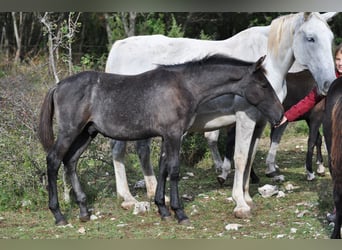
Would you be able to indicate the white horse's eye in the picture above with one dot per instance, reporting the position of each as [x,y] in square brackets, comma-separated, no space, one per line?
[310,39]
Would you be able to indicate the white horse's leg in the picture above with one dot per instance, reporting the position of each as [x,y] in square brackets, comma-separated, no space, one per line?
[271,166]
[226,169]
[212,138]
[227,164]
[143,149]
[122,189]
[244,133]
[251,156]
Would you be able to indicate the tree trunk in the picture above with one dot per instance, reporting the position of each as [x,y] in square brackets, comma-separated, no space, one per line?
[17,35]
[109,30]
[44,20]
[4,44]
[128,21]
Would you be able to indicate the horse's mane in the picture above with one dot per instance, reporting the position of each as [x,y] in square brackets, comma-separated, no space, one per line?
[280,26]
[210,59]
[286,25]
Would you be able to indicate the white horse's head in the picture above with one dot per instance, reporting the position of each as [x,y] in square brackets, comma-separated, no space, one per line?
[312,47]
[306,38]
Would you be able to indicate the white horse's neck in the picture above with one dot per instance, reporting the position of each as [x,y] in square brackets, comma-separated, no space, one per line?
[280,55]
[276,74]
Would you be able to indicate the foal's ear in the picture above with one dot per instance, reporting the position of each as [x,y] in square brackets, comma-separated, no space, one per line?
[258,64]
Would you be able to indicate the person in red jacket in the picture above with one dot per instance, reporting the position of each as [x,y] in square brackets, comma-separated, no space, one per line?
[309,101]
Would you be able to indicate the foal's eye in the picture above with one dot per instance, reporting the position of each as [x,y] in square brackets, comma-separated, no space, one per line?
[263,85]
[310,39]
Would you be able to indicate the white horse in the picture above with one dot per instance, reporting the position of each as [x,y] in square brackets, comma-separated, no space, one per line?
[304,36]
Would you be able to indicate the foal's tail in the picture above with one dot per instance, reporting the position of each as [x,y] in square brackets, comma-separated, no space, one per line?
[336,147]
[45,129]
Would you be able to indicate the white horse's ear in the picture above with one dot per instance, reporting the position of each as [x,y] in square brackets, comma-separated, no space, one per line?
[329,15]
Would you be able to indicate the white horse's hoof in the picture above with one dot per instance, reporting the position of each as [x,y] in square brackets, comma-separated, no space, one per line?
[141,207]
[321,170]
[242,212]
[128,204]
[268,190]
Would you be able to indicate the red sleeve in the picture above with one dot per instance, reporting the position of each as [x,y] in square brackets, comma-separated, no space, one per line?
[303,106]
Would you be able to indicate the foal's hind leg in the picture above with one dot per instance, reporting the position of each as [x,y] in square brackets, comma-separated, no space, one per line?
[54,159]
[70,162]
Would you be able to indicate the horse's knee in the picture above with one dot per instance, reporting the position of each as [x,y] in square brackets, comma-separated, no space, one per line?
[143,148]
[118,149]
[52,164]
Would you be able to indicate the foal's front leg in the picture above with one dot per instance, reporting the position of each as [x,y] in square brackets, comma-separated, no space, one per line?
[169,165]
[173,164]
[159,198]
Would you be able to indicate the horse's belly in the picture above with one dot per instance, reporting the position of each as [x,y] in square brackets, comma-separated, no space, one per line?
[211,122]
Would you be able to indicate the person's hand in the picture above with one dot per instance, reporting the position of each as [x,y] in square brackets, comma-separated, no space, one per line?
[283,120]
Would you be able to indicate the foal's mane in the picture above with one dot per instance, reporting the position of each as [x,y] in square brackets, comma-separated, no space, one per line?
[212,59]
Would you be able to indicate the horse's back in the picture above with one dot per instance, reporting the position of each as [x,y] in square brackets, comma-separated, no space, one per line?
[138,54]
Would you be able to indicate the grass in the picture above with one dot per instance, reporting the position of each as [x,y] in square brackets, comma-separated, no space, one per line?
[299,215]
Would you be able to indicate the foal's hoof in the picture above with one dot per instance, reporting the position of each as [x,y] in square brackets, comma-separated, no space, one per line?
[85,218]
[184,222]
[166,218]
[61,223]
[272,174]
[221,180]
